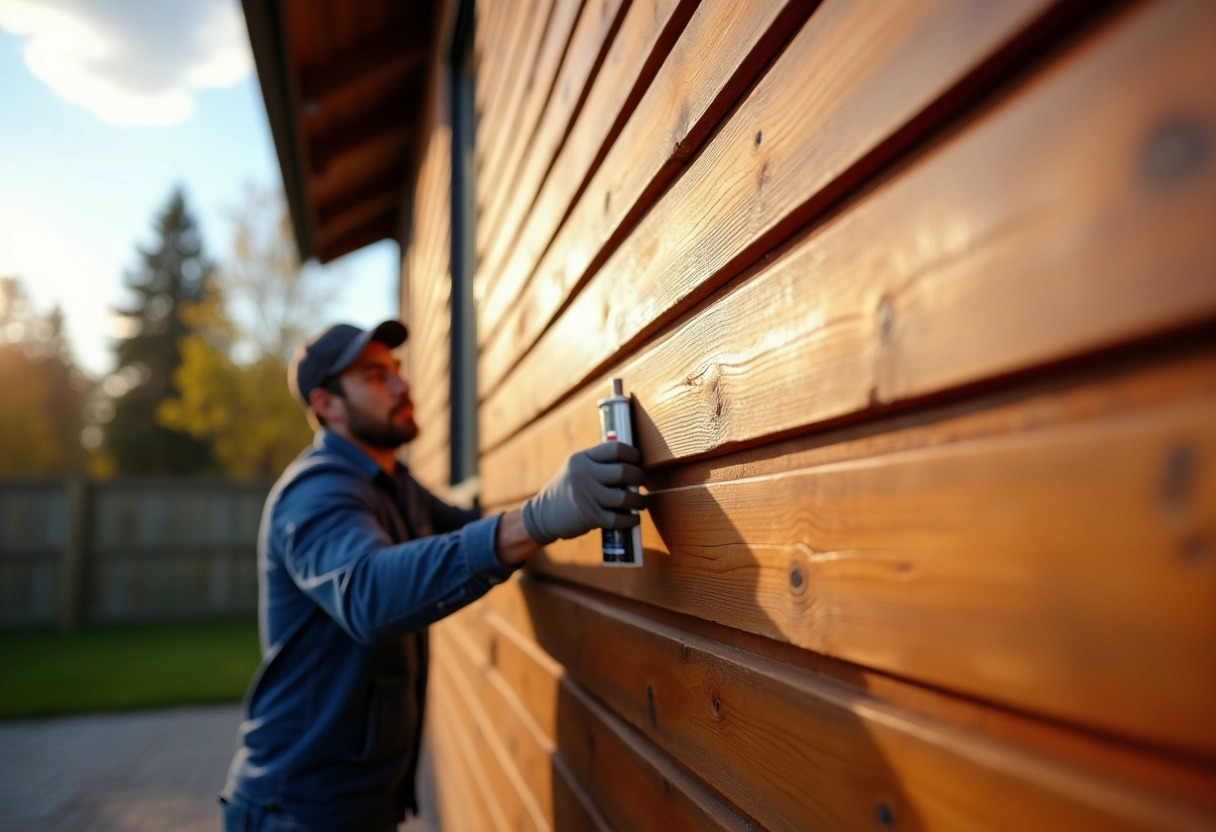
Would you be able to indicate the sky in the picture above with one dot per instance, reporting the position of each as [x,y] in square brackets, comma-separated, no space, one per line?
[105,107]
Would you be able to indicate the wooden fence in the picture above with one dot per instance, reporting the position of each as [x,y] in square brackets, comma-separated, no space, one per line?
[128,549]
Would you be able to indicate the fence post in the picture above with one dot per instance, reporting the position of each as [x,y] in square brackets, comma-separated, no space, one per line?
[72,560]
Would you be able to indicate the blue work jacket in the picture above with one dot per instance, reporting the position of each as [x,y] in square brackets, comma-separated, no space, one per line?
[353,565]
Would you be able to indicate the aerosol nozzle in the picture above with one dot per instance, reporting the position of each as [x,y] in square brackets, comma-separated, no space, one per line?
[618,387]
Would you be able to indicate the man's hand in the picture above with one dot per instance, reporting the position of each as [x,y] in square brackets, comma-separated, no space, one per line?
[587,493]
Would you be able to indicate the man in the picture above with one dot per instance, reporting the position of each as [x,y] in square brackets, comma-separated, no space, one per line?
[355,559]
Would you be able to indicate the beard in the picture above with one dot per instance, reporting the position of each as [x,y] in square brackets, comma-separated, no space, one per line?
[380,433]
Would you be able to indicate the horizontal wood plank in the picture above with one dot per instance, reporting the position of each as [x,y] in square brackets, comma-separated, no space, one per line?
[499,169]
[532,676]
[872,72]
[588,44]
[520,71]
[457,809]
[1088,255]
[632,782]
[573,808]
[641,45]
[528,749]
[1091,589]
[1093,586]
[699,82]
[798,751]
[522,664]
[709,385]
[496,70]
[508,790]
[474,770]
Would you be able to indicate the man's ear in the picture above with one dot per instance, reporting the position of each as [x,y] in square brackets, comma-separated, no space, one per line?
[325,403]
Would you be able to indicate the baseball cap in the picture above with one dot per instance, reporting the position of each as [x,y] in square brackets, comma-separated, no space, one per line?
[332,350]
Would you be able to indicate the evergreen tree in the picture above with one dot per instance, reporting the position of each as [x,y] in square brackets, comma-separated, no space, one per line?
[172,275]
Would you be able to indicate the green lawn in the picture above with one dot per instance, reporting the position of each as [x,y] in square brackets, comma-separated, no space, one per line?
[123,667]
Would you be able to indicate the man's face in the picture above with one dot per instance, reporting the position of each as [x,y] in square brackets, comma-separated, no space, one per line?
[377,401]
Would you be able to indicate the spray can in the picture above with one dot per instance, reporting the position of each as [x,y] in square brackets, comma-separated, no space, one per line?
[622,547]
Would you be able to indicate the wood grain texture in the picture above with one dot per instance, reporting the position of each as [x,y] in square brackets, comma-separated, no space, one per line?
[526,748]
[457,809]
[871,77]
[524,667]
[570,807]
[573,808]
[1063,569]
[427,258]
[499,168]
[958,269]
[628,778]
[645,37]
[516,654]
[797,751]
[634,783]
[470,762]
[1034,478]
[520,77]
[495,71]
[719,53]
[507,790]
[588,45]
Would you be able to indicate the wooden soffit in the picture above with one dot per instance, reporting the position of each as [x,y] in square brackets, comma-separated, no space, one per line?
[343,83]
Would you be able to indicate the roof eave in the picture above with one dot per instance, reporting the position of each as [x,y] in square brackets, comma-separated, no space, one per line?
[264,20]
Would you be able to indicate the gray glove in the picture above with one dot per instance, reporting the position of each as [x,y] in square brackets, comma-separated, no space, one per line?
[587,493]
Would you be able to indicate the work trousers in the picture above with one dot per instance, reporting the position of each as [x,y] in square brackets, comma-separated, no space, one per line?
[244,817]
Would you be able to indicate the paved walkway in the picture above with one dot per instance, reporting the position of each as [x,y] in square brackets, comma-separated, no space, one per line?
[149,771]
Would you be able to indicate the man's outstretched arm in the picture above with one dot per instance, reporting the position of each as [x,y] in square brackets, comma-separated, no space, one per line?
[591,491]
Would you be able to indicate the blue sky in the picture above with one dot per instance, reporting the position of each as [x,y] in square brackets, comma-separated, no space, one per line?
[80,184]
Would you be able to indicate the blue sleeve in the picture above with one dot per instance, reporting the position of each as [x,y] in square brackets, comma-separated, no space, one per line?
[340,556]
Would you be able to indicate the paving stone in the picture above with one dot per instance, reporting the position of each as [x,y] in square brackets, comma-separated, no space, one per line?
[148,771]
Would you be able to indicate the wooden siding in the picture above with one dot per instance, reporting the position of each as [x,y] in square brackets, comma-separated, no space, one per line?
[916,302]
[426,287]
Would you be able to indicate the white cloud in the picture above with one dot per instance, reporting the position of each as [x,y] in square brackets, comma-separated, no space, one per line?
[131,61]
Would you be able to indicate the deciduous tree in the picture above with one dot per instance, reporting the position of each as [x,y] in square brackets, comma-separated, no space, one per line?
[232,382]
[42,404]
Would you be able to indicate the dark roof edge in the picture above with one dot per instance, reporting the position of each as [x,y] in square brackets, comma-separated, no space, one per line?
[263,19]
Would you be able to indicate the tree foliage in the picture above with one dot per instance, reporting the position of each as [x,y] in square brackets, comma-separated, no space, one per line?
[173,274]
[280,300]
[259,307]
[42,407]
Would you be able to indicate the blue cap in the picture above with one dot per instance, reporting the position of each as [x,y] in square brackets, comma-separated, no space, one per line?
[333,350]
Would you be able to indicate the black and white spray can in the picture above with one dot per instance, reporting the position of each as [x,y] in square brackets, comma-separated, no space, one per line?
[622,547]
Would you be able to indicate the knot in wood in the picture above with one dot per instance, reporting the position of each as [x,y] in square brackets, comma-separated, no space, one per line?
[715,700]
[1178,476]
[1197,550]
[796,578]
[719,402]
[1175,151]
